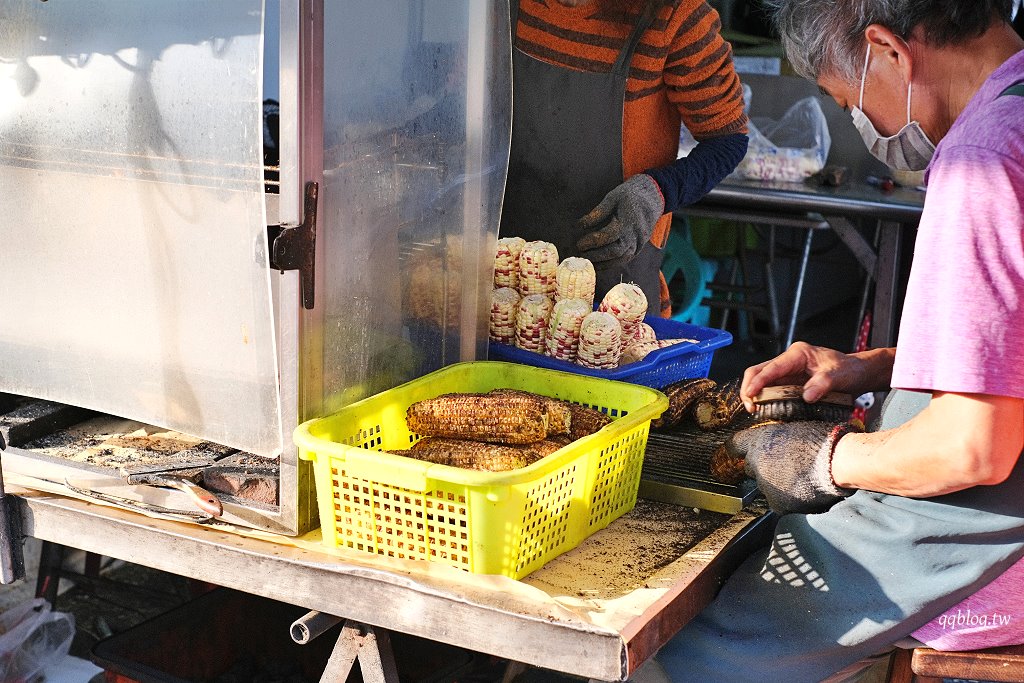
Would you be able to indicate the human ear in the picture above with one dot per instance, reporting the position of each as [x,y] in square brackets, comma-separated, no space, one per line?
[890,48]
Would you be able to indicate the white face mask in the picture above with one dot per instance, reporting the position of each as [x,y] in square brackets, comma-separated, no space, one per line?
[908,150]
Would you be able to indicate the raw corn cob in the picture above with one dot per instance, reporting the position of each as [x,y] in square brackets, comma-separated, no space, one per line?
[563,338]
[506,262]
[532,315]
[538,266]
[470,455]
[600,341]
[559,412]
[575,279]
[628,304]
[639,350]
[504,303]
[681,397]
[478,417]
[644,332]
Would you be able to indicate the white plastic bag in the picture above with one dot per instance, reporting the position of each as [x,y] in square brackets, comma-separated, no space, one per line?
[790,149]
[31,636]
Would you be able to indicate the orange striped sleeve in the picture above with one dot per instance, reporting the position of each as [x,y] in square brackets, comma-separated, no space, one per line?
[699,76]
[681,58]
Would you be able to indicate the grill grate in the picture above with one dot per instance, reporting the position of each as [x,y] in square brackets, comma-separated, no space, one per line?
[676,469]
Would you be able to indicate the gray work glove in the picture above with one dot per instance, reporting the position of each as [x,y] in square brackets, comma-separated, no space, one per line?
[630,211]
[792,462]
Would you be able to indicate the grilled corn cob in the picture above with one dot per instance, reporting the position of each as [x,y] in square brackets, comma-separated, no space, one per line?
[538,265]
[628,304]
[600,341]
[563,339]
[470,455]
[542,449]
[727,467]
[506,262]
[532,316]
[586,421]
[504,303]
[559,412]
[575,279]
[716,409]
[681,397]
[478,417]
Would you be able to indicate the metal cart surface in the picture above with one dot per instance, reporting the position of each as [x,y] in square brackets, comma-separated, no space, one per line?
[570,616]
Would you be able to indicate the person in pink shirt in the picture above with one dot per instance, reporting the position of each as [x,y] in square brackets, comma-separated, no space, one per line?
[915,528]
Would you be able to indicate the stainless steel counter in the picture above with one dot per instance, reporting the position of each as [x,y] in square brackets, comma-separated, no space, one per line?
[852,200]
[810,206]
[598,611]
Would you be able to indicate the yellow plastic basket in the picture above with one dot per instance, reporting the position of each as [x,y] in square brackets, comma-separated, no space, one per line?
[506,523]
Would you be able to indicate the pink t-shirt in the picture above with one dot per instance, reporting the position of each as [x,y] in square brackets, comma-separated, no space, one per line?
[962,328]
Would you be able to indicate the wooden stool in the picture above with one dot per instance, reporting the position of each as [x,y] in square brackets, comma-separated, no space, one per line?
[924,665]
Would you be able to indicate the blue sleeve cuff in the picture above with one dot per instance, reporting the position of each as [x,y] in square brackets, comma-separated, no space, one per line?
[686,180]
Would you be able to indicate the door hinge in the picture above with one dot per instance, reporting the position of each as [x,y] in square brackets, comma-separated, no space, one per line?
[293,247]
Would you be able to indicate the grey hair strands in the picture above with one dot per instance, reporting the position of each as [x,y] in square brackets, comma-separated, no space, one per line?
[827,36]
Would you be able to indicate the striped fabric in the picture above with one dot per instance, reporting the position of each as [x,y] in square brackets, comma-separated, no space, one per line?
[681,60]
[681,71]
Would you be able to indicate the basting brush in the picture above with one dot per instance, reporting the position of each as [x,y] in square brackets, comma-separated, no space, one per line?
[786,403]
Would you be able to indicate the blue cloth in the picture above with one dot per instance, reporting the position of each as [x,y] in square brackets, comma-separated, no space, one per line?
[835,587]
[688,179]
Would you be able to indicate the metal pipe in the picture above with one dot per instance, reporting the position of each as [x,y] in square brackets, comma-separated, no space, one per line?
[311,625]
[799,288]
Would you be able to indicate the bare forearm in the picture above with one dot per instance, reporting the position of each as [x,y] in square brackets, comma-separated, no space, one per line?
[896,461]
[957,442]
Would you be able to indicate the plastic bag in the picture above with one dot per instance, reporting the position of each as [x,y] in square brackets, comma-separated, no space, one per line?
[790,149]
[32,635]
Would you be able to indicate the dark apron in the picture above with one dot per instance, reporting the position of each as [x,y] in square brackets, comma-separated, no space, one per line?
[567,155]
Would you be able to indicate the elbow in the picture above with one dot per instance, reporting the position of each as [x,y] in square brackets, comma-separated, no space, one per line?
[984,465]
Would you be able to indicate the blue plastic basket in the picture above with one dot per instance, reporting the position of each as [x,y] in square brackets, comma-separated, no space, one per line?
[657,369]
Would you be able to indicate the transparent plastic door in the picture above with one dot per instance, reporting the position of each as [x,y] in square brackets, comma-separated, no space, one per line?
[133,245]
[416,128]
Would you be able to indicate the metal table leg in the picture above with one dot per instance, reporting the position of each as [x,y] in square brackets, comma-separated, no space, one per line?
[369,644]
[804,258]
[883,319]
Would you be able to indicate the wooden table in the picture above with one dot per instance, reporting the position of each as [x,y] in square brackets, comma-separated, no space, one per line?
[598,611]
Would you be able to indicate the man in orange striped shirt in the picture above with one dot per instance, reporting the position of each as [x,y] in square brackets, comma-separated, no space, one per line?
[600,90]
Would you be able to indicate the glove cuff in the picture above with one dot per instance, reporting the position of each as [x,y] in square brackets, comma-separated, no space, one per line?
[838,432]
[661,193]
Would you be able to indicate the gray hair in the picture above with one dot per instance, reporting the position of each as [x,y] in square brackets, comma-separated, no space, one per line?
[827,36]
